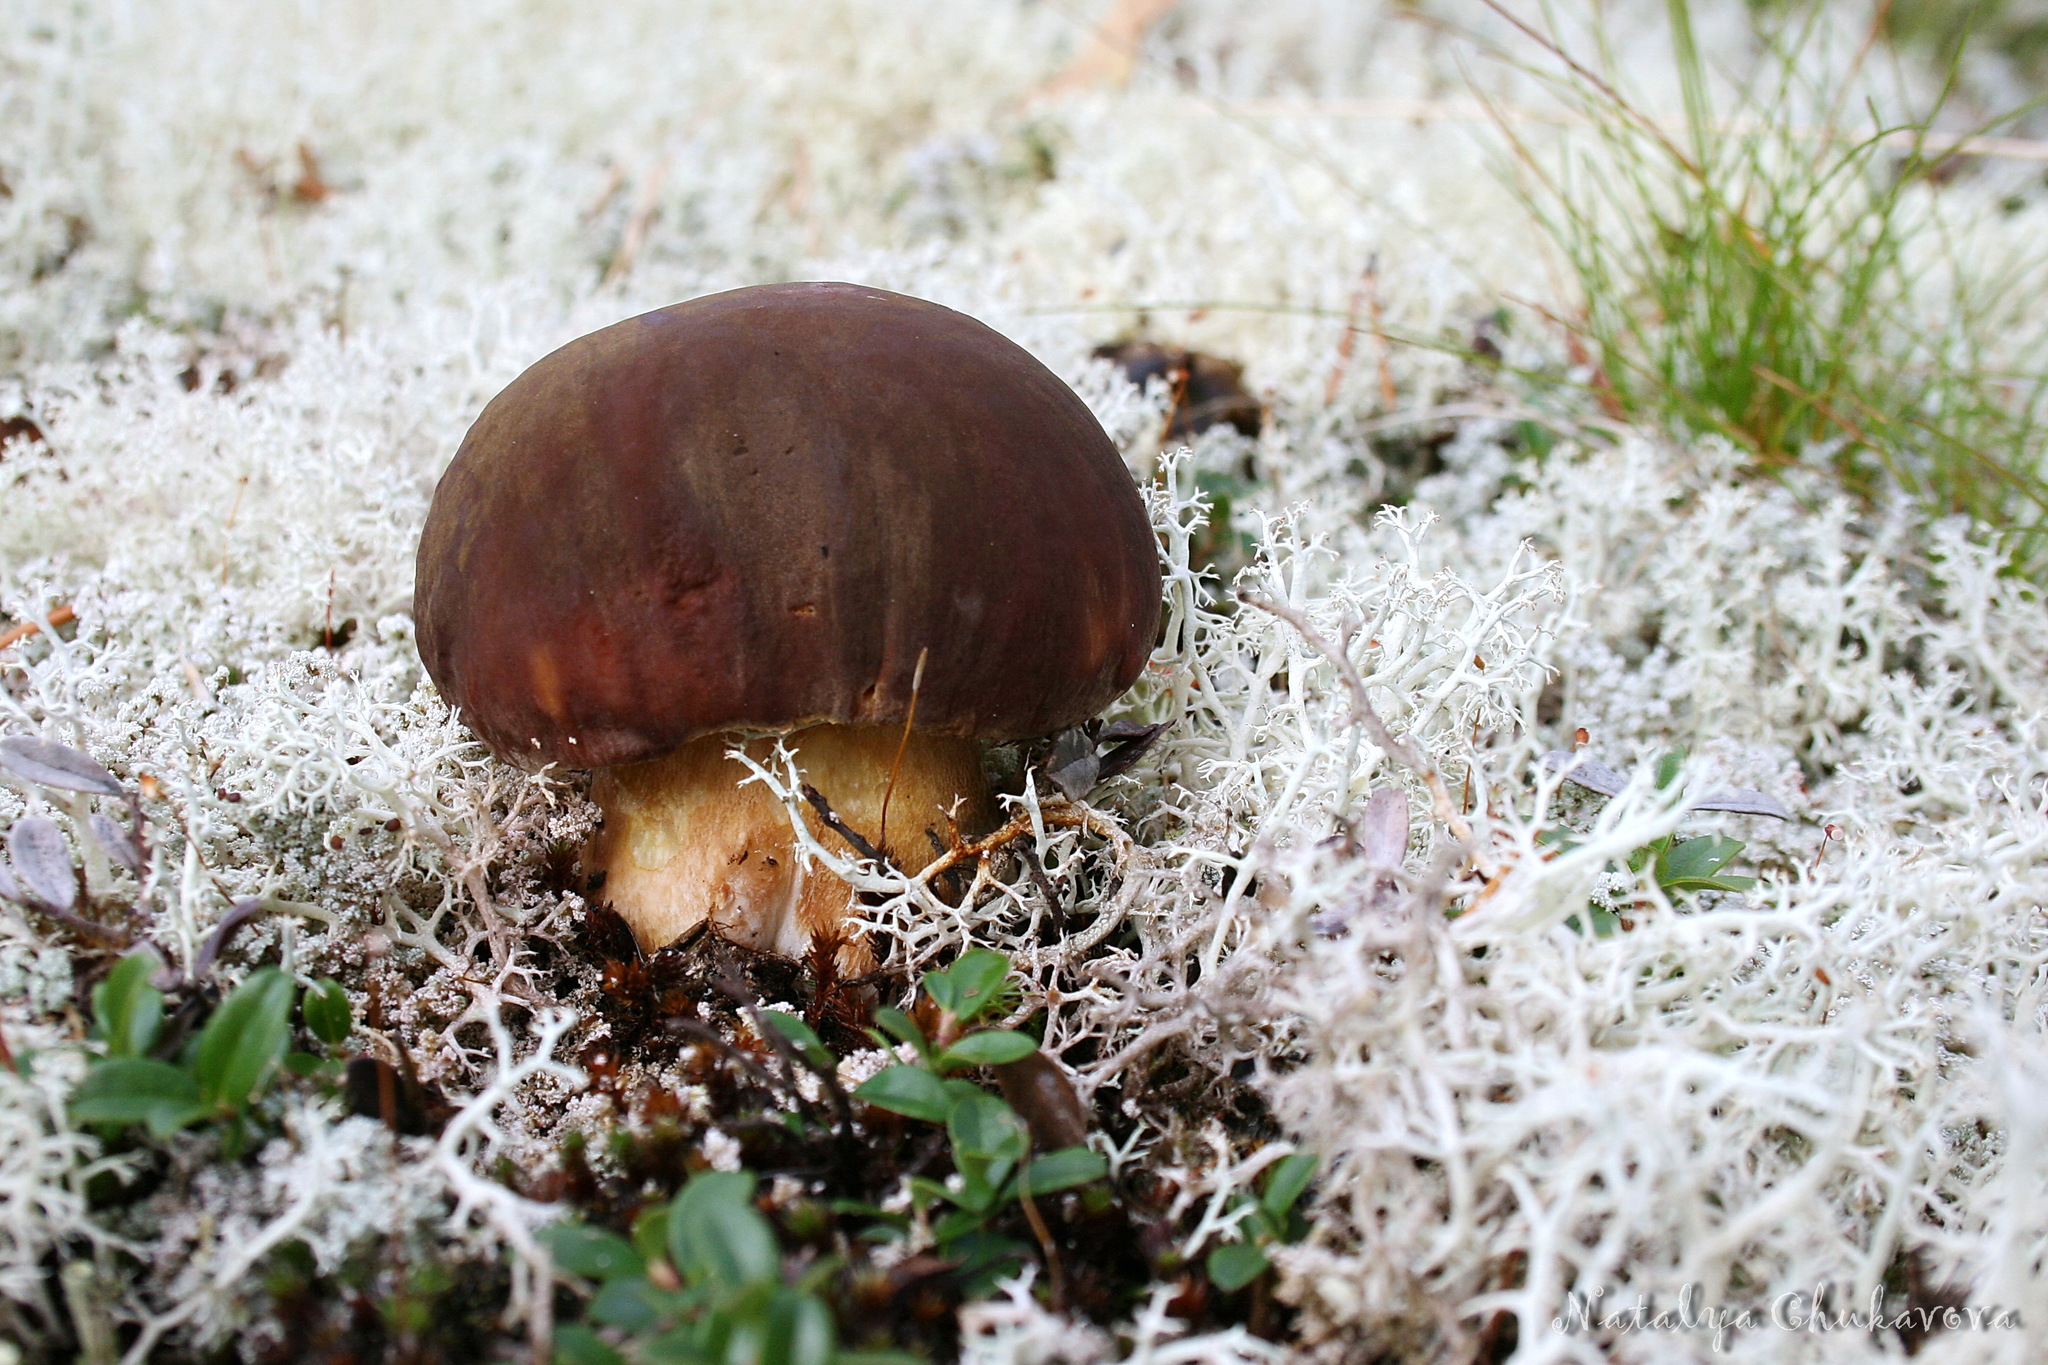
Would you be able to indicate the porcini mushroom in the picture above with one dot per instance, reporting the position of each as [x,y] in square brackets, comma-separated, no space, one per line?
[754,514]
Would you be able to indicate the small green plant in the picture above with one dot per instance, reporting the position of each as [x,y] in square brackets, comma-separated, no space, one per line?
[1676,865]
[991,1145]
[218,1075]
[1271,1217]
[328,1017]
[700,1282]
[702,1278]
[1765,274]
[1687,864]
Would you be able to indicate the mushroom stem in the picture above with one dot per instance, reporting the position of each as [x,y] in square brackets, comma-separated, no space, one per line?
[683,841]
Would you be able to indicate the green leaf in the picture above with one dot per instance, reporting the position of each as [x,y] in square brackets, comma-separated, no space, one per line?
[1695,865]
[129,1010]
[327,1012]
[958,1224]
[1285,1182]
[701,1342]
[799,1331]
[983,1126]
[800,1036]
[861,1209]
[592,1252]
[988,1143]
[957,1090]
[716,1236]
[1062,1170]
[984,1258]
[632,1303]
[650,1234]
[970,985]
[902,1027]
[235,1136]
[1669,765]
[1701,857]
[304,1063]
[990,1048]
[576,1344]
[731,1334]
[907,1090]
[128,1090]
[1257,1225]
[1605,923]
[1234,1265]
[244,1040]
[1711,884]
[929,1193]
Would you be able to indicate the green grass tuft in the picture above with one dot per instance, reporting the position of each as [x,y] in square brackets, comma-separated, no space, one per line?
[1795,283]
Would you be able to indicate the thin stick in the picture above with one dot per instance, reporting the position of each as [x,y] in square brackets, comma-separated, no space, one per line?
[1110,54]
[1044,885]
[909,715]
[1614,97]
[59,616]
[1059,815]
[1389,397]
[227,531]
[1349,341]
[614,181]
[1055,1274]
[854,837]
[1395,747]
[641,221]
[1818,403]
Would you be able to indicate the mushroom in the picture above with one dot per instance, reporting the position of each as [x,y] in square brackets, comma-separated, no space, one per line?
[860,521]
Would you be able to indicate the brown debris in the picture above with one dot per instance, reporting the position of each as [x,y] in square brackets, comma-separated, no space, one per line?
[1110,55]
[21,428]
[1207,390]
[59,616]
[311,187]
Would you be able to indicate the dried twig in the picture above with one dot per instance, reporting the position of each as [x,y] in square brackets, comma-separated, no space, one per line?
[1395,747]
[59,616]
[1110,54]
[640,223]
[1364,299]
[854,838]
[1055,1274]
[909,719]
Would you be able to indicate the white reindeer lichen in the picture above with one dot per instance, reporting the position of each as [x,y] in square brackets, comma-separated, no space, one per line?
[233,369]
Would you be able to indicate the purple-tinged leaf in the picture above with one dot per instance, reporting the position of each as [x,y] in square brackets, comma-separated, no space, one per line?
[1742,801]
[1596,776]
[117,842]
[55,765]
[1132,743]
[1380,840]
[1383,829]
[1585,771]
[239,914]
[1073,765]
[42,861]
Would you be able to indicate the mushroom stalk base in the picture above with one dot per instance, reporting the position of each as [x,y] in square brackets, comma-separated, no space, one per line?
[684,842]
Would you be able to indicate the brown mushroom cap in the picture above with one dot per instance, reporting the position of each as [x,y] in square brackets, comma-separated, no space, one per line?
[755,509]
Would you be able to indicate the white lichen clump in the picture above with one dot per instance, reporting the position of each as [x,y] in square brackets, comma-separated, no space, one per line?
[240,368]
